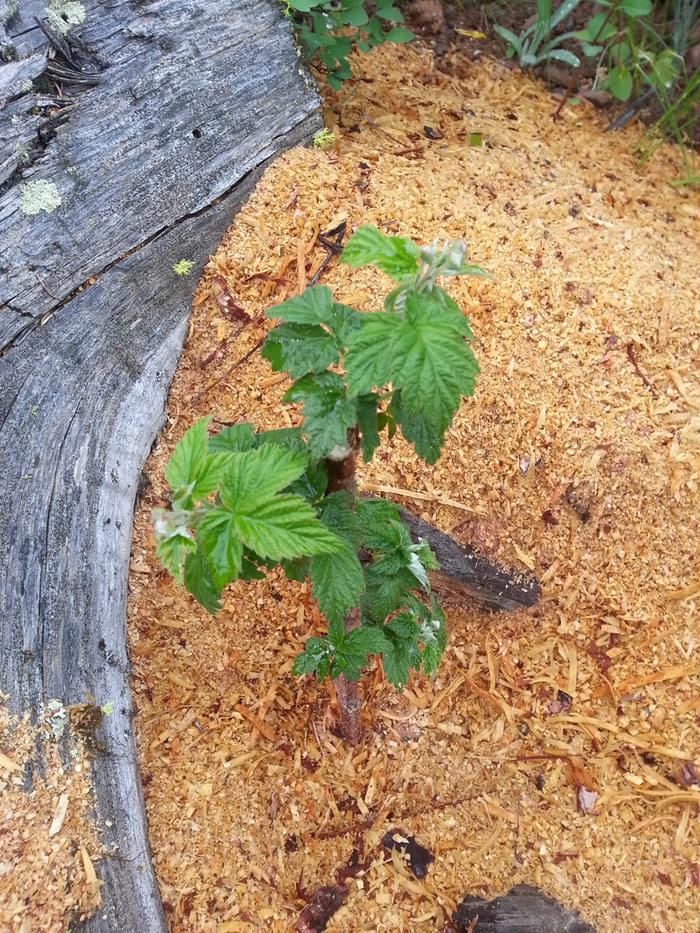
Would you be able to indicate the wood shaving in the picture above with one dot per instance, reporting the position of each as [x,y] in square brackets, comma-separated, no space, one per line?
[590,254]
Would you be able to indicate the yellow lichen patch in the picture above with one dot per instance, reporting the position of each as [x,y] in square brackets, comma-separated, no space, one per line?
[555,747]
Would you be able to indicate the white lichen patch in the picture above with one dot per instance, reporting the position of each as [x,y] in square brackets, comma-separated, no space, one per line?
[37,196]
[64,14]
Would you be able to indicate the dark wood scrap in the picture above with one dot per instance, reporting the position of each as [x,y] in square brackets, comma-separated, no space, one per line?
[150,163]
[523,909]
[464,573]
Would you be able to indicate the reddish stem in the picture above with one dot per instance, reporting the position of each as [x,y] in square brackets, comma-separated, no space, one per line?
[341,476]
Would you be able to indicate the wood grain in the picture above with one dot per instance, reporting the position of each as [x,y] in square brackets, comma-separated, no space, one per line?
[92,321]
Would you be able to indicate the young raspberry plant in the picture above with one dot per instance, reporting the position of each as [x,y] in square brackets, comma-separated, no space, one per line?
[245,501]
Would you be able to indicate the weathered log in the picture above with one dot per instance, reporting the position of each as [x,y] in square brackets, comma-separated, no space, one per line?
[150,165]
[463,572]
[523,909]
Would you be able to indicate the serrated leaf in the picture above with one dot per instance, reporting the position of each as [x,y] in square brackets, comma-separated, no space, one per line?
[418,430]
[283,527]
[367,421]
[173,551]
[366,640]
[430,367]
[255,475]
[199,582]
[374,515]
[191,468]
[314,658]
[233,439]
[281,437]
[368,360]
[327,409]
[337,514]
[299,349]
[385,594]
[218,540]
[297,570]
[337,582]
[314,306]
[396,256]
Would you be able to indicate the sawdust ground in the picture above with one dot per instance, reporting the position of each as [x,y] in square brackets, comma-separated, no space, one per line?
[48,838]
[578,457]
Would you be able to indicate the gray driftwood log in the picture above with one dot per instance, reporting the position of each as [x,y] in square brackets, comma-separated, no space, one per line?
[153,128]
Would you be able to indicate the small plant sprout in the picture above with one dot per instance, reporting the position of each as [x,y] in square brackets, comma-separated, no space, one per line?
[245,501]
[324,139]
[183,267]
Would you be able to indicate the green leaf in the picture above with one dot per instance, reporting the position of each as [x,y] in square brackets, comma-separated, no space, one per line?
[355,17]
[635,8]
[327,409]
[394,255]
[300,349]
[249,566]
[304,6]
[384,593]
[560,14]
[399,34]
[297,570]
[337,514]
[390,13]
[314,658]
[255,475]
[666,67]
[418,430]
[509,37]
[281,437]
[337,582]
[368,357]
[218,540]
[562,55]
[599,28]
[283,527]
[358,645]
[374,517]
[620,82]
[402,653]
[199,582]
[314,306]
[233,439]
[191,469]
[430,367]
[173,550]
[368,424]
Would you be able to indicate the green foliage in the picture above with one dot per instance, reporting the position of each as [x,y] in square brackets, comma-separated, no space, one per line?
[537,43]
[630,53]
[329,30]
[243,502]
[637,46]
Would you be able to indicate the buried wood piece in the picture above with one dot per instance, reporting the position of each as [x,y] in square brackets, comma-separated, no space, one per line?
[464,573]
[523,909]
[325,902]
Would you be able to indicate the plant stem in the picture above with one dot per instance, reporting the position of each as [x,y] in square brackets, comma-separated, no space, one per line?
[341,476]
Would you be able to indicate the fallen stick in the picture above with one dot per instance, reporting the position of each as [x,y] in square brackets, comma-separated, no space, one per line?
[463,573]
